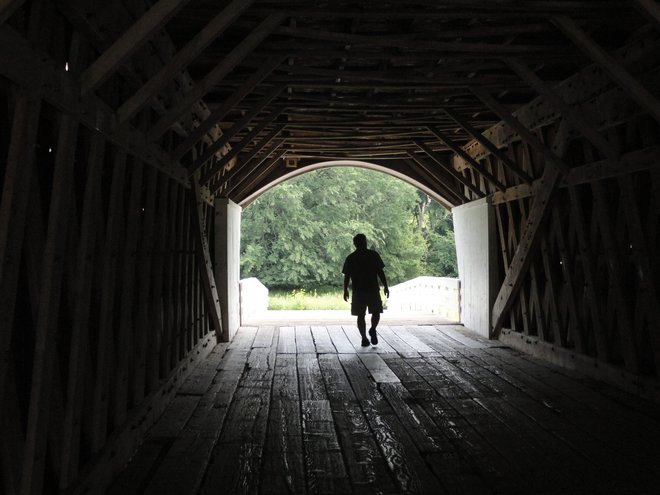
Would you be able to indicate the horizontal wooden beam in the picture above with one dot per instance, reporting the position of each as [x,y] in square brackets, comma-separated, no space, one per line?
[234,58]
[182,58]
[628,163]
[617,72]
[415,44]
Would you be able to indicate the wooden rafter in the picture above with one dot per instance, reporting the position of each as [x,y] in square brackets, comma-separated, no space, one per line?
[496,152]
[221,111]
[447,167]
[238,147]
[182,58]
[618,73]
[133,39]
[264,142]
[525,133]
[237,127]
[476,166]
[219,71]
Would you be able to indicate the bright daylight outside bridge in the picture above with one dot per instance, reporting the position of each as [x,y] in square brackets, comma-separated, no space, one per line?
[133,136]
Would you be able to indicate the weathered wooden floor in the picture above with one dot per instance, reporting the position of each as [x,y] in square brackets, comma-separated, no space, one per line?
[430,410]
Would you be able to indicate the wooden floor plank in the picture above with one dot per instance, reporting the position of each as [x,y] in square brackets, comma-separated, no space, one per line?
[454,332]
[407,336]
[287,341]
[243,338]
[304,340]
[283,462]
[264,337]
[380,372]
[236,459]
[339,340]
[301,410]
[365,464]
[322,340]
[409,468]
[399,345]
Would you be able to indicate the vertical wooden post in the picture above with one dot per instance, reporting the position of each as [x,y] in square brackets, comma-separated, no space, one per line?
[204,262]
[13,212]
[52,267]
[127,303]
[109,259]
[82,298]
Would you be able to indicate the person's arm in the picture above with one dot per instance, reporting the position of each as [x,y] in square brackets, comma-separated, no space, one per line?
[381,275]
[346,279]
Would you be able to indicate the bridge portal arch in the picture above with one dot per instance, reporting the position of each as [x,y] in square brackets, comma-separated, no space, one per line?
[297,172]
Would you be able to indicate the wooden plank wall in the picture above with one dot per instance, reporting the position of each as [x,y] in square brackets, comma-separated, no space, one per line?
[102,304]
[592,284]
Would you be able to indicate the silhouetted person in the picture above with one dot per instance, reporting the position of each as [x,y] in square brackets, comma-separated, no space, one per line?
[364,267]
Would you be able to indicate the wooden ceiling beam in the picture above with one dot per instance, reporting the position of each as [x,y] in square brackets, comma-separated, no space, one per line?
[217,114]
[238,126]
[495,151]
[264,142]
[182,58]
[238,147]
[447,167]
[441,184]
[128,43]
[416,44]
[475,165]
[574,117]
[651,9]
[616,71]
[236,56]
[525,134]
[251,180]
[8,7]
[258,162]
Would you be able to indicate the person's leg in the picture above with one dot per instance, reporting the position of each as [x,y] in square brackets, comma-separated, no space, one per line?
[375,308]
[362,327]
[359,309]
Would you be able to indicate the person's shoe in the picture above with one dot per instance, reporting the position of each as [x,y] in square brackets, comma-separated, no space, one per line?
[374,337]
[365,340]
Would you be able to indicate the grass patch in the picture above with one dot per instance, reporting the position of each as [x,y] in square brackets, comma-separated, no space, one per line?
[301,299]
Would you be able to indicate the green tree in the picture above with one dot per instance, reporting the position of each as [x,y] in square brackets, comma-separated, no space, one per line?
[298,233]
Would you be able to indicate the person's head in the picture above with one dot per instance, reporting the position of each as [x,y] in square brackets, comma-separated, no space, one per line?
[360,241]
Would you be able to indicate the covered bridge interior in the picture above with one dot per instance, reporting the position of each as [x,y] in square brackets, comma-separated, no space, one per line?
[131,132]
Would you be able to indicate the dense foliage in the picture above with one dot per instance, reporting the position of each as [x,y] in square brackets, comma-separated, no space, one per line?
[297,234]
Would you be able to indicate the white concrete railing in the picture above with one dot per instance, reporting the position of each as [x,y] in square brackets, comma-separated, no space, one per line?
[439,295]
[254,297]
